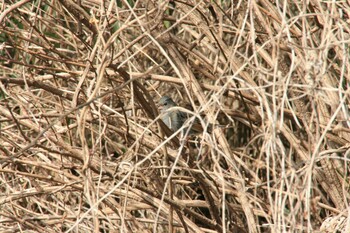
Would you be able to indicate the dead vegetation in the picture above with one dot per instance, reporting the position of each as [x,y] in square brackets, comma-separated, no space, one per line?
[82,147]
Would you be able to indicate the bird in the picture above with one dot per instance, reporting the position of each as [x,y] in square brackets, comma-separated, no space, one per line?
[176,118]
[173,119]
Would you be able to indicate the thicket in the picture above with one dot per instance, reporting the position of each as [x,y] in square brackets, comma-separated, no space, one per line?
[82,148]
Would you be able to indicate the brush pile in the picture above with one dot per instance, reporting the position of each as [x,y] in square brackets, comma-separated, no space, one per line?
[82,148]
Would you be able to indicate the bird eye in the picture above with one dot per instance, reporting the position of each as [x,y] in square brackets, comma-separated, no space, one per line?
[165,104]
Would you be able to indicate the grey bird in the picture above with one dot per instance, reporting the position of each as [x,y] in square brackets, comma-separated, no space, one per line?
[173,119]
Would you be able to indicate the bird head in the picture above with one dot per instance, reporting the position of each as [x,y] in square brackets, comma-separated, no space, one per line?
[165,103]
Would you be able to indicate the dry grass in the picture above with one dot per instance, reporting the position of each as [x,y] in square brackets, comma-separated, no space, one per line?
[82,148]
